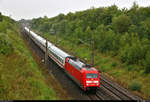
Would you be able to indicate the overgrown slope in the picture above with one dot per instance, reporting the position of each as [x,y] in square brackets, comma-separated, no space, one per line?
[20,77]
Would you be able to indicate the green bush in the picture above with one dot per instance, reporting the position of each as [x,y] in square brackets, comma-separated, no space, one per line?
[135,86]
[134,50]
[123,53]
[116,73]
[6,46]
[121,23]
[132,67]
[114,64]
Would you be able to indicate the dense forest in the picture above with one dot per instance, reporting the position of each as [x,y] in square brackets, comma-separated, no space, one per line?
[123,33]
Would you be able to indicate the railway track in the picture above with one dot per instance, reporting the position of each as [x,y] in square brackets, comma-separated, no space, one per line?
[114,91]
[110,90]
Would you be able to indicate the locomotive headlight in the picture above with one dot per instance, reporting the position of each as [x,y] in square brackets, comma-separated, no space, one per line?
[88,81]
[95,81]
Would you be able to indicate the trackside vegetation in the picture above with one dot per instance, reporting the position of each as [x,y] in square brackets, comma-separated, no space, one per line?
[121,41]
[20,77]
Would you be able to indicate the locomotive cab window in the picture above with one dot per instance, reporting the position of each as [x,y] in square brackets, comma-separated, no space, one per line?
[91,75]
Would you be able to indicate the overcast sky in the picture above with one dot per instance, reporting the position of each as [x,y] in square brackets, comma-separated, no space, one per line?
[28,9]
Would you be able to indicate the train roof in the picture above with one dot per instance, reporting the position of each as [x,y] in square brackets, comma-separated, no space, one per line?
[59,51]
[36,36]
[79,64]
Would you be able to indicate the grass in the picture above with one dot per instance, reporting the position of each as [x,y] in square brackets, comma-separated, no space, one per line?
[122,73]
[114,64]
[135,86]
[20,76]
[132,68]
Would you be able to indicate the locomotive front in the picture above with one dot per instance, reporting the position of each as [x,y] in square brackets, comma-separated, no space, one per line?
[91,79]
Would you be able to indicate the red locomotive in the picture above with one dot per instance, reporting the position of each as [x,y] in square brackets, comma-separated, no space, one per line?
[84,75]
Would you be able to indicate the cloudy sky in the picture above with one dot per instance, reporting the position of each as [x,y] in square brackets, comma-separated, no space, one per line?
[28,9]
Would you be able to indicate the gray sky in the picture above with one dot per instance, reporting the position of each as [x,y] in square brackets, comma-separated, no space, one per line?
[28,9]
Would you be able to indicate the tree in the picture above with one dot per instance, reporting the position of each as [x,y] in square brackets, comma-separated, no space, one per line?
[133,49]
[133,12]
[60,17]
[88,34]
[121,23]
[145,28]
[79,32]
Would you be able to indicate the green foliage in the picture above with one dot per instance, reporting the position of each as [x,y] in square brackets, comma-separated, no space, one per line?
[6,46]
[135,86]
[114,64]
[6,23]
[133,48]
[88,34]
[146,28]
[105,40]
[106,67]
[147,63]
[121,23]
[132,68]
[116,73]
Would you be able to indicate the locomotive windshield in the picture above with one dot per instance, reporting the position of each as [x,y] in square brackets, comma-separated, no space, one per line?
[91,75]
